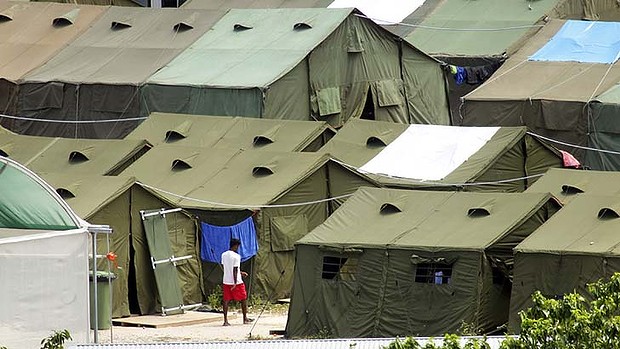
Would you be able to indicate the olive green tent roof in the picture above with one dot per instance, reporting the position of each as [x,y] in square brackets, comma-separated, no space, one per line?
[229,132]
[32,33]
[361,141]
[126,45]
[44,154]
[27,202]
[522,79]
[226,4]
[589,224]
[490,27]
[379,217]
[223,179]
[566,184]
[251,48]
[87,194]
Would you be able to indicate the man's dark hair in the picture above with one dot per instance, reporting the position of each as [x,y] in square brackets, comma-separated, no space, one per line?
[235,242]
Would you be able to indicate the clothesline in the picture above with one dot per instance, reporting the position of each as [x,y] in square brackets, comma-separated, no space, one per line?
[296,204]
[25,118]
[573,145]
[518,27]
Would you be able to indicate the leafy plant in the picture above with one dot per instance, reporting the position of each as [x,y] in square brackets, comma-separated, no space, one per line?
[216,298]
[56,340]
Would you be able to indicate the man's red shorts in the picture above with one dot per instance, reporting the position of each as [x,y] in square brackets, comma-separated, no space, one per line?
[234,294]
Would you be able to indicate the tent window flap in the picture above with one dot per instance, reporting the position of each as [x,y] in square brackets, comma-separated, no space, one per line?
[388,93]
[329,101]
[286,230]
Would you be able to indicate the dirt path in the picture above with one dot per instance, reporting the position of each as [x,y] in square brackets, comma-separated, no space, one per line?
[199,333]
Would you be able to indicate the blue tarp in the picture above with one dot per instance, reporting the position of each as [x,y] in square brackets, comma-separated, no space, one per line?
[216,240]
[582,41]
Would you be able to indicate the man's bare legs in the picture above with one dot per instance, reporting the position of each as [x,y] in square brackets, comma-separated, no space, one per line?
[225,308]
[244,310]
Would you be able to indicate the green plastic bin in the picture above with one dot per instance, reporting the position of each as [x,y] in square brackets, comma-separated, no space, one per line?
[104,310]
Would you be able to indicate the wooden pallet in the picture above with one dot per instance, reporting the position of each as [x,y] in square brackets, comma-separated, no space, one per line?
[158,321]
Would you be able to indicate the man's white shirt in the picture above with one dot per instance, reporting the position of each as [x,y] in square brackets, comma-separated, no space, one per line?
[230,260]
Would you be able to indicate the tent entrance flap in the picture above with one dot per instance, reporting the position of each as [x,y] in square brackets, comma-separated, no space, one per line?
[164,262]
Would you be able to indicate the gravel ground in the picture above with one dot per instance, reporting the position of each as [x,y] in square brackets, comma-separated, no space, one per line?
[200,333]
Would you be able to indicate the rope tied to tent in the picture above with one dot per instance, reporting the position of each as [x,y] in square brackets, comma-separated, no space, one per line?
[518,27]
[25,118]
[613,152]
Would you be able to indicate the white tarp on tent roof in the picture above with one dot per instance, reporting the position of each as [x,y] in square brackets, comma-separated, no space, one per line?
[429,152]
[382,12]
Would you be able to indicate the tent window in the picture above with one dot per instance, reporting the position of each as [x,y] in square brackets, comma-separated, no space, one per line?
[571,190]
[339,268]
[431,273]
[173,136]
[65,193]
[354,44]
[3,153]
[329,101]
[77,157]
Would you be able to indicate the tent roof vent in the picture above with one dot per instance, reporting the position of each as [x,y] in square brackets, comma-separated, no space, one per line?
[180,165]
[389,208]
[182,27]
[67,19]
[5,17]
[570,189]
[4,153]
[608,213]
[241,27]
[262,171]
[118,25]
[173,136]
[260,141]
[375,142]
[76,157]
[301,26]
[65,193]
[478,212]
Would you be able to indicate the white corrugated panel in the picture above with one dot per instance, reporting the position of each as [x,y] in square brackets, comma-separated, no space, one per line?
[354,343]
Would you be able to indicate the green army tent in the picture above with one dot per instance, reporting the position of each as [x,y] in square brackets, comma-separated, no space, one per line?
[449,157]
[395,262]
[4,131]
[71,156]
[479,35]
[225,187]
[577,246]
[233,132]
[566,184]
[43,261]
[31,34]
[328,64]
[117,201]
[549,84]
[96,77]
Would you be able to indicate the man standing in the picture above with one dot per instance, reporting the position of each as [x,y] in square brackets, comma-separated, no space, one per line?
[233,287]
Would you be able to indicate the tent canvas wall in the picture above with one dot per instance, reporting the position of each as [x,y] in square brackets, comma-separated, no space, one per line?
[71,156]
[294,63]
[31,34]
[577,246]
[548,87]
[566,184]
[233,132]
[604,132]
[96,77]
[425,156]
[43,262]
[257,4]
[395,263]
[225,187]
[117,202]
